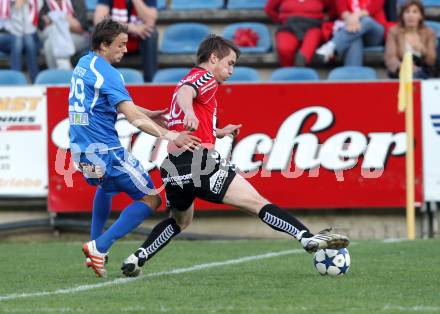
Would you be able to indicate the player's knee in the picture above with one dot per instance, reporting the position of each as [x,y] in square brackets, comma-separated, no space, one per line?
[153,201]
[183,221]
[257,203]
[157,201]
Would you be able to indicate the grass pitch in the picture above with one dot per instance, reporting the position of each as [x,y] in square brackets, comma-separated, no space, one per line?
[222,277]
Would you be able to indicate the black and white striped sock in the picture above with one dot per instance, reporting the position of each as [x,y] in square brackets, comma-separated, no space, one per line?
[281,220]
[159,237]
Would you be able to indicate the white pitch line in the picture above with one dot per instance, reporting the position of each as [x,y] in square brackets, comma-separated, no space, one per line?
[394,240]
[415,308]
[122,281]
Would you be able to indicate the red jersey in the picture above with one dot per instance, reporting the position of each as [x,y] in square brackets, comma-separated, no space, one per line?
[204,104]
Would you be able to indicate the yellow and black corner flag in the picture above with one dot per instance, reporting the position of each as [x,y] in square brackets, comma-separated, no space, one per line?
[405,103]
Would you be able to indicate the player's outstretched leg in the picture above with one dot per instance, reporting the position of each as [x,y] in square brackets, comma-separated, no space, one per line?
[242,194]
[280,220]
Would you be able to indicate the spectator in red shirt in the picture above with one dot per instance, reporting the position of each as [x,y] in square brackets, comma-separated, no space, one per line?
[362,23]
[299,32]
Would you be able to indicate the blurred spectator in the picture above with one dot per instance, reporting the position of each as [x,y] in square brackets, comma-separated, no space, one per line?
[362,24]
[64,31]
[391,9]
[412,35]
[299,31]
[140,17]
[18,33]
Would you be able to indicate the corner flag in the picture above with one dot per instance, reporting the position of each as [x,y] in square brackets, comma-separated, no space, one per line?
[406,104]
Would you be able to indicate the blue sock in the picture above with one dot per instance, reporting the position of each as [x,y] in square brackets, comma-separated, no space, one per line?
[130,218]
[102,205]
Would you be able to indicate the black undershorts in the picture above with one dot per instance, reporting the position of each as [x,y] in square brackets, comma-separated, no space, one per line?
[203,174]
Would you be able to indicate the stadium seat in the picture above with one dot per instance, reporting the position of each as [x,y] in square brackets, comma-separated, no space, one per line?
[378,49]
[54,76]
[435,26]
[171,75]
[294,74]
[131,76]
[91,5]
[244,74]
[12,77]
[264,43]
[196,4]
[431,3]
[352,73]
[183,38]
[4,55]
[246,4]
[426,3]
[161,4]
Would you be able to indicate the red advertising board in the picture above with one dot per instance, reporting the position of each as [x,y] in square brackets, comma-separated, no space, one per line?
[311,145]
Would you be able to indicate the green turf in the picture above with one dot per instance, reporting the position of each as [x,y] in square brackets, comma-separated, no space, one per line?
[402,277]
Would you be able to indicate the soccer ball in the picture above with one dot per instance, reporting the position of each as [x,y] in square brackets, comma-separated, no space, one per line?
[332,262]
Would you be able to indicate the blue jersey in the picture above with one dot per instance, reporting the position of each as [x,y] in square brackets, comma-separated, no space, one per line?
[96,89]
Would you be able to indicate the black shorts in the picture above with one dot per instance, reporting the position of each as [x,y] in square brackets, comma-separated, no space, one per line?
[202,174]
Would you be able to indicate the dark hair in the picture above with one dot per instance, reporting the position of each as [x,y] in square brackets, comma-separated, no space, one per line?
[405,6]
[215,44]
[105,32]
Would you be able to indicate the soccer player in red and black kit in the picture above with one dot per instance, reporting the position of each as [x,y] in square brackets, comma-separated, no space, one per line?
[203,173]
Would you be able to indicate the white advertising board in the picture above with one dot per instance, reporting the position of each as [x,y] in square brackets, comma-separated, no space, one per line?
[431,139]
[23,142]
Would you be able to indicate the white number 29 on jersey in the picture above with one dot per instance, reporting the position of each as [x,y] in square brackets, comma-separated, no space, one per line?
[77,114]
[76,95]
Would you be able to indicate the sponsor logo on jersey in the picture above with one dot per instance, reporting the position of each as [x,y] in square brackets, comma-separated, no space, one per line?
[217,180]
[178,180]
[77,118]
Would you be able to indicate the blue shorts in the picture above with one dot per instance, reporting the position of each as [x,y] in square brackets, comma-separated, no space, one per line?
[115,171]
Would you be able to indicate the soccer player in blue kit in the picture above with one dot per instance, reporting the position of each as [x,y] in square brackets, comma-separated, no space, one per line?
[97,95]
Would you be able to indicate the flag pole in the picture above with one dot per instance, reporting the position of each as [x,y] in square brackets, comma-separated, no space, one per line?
[410,181]
[406,104]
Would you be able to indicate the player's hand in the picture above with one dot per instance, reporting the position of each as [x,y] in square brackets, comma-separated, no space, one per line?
[230,129]
[187,141]
[158,116]
[190,122]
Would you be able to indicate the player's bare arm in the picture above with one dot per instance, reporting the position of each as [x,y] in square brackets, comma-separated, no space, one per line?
[157,116]
[231,130]
[145,124]
[184,99]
